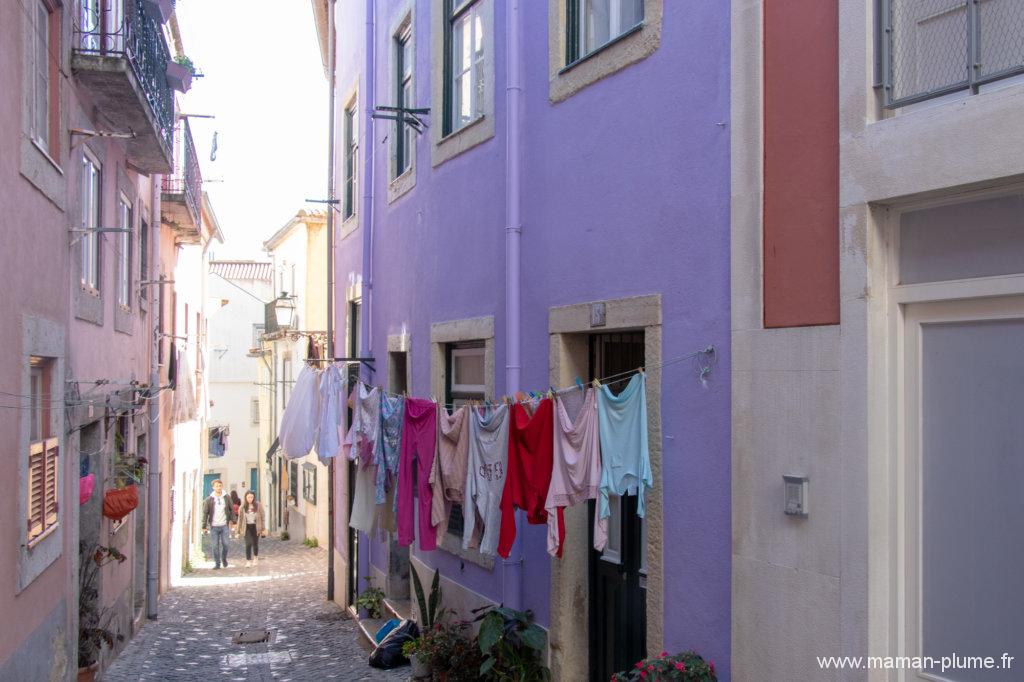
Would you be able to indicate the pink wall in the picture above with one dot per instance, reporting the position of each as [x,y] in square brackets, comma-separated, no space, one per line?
[801,162]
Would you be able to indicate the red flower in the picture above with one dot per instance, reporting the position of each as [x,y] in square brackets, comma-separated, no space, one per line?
[639,664]
[711,665]
[650,668]
[681,667]
[663,654]
[643,675]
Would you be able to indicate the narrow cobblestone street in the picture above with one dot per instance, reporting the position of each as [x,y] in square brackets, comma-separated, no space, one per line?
[284,593]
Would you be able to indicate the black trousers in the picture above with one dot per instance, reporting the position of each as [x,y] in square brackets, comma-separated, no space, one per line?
[252,541]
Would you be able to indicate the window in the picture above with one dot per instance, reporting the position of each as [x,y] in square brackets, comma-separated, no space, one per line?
[42,506]
[592,24]
[89,25]
[90,223]
[463,64]
[466,382]
[404,60]
[286,380]
[124,252]
[929,49]
[257,332]
[293,481]
[143,256]
[254,411]
[309,482]
[351,160]
[43,80]
[353,329]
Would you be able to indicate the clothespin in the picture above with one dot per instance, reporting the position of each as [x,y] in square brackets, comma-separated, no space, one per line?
[551,391]
[579,384]
[641,370]
[596,384]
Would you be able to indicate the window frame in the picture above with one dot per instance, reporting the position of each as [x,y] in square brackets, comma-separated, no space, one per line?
[258,329]
[350,159]
[576,30]
[309,476]
[44,447]
[286,380]
[44,77]
[404,74]
[125,221]
[457,394]
[453,13]
[254,411]
[90,256]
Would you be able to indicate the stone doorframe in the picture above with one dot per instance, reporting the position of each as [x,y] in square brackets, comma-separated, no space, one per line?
[568,328]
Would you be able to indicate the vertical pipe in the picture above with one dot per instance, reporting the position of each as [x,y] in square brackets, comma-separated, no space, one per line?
[331,83]
[512,578]
[153,507]
[369,141]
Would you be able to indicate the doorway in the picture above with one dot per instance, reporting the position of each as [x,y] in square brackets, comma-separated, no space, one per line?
[617,581]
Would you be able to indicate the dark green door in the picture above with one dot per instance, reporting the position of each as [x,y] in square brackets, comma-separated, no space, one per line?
[254,481]
[618,601]
[208,480]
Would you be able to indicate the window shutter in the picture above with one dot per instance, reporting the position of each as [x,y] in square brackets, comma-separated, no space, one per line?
[52,450]
[36,489]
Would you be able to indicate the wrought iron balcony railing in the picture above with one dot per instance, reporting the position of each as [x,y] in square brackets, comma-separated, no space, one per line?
[187,179]
[122,29]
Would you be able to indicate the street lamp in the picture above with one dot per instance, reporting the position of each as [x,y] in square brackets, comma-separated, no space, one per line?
[284,310]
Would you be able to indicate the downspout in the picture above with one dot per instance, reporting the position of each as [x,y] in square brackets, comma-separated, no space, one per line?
[512,567]
[331,85]
[153,506]
[369,141]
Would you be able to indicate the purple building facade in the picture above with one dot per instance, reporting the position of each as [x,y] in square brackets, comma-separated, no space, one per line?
[620,171]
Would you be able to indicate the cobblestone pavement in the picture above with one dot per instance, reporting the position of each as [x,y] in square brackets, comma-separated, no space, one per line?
[285,593]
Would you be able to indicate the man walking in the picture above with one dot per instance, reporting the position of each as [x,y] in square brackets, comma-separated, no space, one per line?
[218,519]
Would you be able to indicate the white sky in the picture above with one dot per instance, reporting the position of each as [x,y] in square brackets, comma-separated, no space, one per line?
[264,81]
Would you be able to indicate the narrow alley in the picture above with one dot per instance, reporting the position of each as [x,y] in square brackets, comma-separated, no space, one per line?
[311,639]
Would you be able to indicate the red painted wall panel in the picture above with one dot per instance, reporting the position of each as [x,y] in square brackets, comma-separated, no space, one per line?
[801,162]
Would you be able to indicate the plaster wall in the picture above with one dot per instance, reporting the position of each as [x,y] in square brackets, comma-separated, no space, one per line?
[627,203]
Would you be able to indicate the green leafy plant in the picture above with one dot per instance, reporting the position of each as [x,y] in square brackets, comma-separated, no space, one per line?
[429,608]
[311,542]
[688,666]
[285,536]
[188,567]
[512,645]
[94,622]
[452,655]
[186,62]
[371,600]
[411,647]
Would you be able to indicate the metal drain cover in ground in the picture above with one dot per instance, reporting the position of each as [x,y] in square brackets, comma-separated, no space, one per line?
[251,637]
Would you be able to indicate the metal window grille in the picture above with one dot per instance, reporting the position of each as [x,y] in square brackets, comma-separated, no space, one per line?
[934,47]
[254,407]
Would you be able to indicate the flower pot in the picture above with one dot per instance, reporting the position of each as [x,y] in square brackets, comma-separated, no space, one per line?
[88,674]
[420,668]
[179,76]
[160,10]
[119,502]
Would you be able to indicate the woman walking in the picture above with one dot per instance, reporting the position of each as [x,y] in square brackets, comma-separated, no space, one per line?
[250,526]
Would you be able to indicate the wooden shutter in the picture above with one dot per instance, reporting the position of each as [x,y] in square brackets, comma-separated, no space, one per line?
[42,487]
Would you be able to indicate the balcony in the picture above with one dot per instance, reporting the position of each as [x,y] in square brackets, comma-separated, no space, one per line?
[120,55]
[180,205]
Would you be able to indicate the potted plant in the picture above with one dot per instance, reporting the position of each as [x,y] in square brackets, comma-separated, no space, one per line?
[420,667]
[685,667]
[179,73]
[512,645]
[160,10]
[430,613]
[93,622]
[120,502]
[449,654]
[371,600]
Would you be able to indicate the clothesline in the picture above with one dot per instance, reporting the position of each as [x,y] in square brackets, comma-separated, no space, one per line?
[604,381]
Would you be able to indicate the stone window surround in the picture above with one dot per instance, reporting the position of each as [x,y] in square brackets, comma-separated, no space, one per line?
[445,147]
[88,303]
[633,46]
[349,225]
[400,343]
[42,338]
[441,334]
[569,327]
[400,185]
[38,165]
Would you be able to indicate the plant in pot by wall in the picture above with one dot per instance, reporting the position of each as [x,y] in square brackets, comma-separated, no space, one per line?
[430,614]
[180,72]
[685,667]
[411,650]
[448,651]
[371,600]
[93,622]
[512,645]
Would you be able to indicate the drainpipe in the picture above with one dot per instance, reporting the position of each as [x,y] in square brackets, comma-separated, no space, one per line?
[331,85]
[153,506]
[512,576]
[369,142]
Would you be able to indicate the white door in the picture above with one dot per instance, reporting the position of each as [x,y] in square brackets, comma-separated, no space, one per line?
[962,477]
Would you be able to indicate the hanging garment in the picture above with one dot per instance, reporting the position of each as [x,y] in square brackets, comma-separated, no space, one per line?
[485,476]
[625,458]
[576,466]
[301,417]
[332,393]
[363,441]
[392,414]
[529,471]
[419,442]
[448,475]
[364,507]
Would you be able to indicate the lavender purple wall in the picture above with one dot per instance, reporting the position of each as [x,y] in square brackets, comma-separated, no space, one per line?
[625,192]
